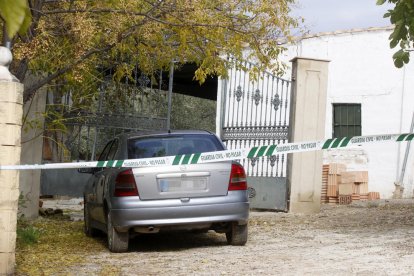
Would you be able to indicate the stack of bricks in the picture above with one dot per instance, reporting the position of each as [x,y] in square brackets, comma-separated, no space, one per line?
[342,187]
[346,188]
[373,195]
[334,177]
[361,185]
[324,192]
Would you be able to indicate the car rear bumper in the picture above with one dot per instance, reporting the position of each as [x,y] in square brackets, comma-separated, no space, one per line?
[233,207]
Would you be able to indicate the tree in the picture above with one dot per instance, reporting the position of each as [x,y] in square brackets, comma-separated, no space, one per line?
[71,40]
[402,16]
[16,16]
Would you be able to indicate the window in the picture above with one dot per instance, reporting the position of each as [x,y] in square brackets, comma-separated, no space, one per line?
[172,145]
[346,120]
[112,152]
[104,154]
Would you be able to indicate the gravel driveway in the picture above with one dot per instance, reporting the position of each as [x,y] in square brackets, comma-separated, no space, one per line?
[372,238]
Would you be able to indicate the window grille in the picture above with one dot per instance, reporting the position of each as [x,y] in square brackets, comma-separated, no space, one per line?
[346,120]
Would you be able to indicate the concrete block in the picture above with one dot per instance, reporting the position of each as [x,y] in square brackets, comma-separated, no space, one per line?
[11,113]
[9,155]
[361,176]
[9,179]
[345,188]
[333,180]
[11,92]
[11,135]
[9,199]
[373,195]
[7,241]
[337,168]
[7,263]
[356,188]
[363,188]
[348,177]
[8,221]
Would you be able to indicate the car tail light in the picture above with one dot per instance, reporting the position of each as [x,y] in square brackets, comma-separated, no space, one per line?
[237,178]
[125,184]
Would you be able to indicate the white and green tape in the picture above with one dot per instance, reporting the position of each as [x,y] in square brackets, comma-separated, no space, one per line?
[226,155]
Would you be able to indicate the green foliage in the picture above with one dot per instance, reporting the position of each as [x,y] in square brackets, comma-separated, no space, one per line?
[73,40]
[71,45]
[16,14]
[27,234]
[203,113]
[402,16]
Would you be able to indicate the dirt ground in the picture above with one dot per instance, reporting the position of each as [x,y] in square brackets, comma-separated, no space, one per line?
[371,238]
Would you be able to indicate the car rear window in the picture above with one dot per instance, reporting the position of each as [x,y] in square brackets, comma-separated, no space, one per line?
[172,145]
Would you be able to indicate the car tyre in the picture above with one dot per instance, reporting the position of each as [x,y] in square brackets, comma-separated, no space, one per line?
[117,241]
[87,228]
[237,234]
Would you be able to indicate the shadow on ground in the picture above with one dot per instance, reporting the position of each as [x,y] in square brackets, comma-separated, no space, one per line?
[176,241]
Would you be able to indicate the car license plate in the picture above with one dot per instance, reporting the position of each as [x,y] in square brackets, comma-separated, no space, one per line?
[183,184]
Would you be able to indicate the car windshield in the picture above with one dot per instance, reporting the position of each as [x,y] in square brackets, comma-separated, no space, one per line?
[172,145]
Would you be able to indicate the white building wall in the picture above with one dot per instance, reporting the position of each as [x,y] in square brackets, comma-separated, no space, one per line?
[362,71]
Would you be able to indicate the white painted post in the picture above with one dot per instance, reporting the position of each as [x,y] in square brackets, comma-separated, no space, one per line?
[307,123]
[11,110]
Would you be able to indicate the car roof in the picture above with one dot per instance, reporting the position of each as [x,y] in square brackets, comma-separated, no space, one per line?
[161,132]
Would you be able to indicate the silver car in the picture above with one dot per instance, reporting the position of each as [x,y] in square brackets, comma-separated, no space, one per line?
[127,201]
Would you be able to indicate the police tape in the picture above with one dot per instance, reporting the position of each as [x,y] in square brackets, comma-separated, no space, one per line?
[225,155]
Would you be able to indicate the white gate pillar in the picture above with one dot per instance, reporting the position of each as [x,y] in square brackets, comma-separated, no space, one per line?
[307,123]
[11,110]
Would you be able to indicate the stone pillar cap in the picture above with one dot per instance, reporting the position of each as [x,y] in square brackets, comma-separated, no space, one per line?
[5,60]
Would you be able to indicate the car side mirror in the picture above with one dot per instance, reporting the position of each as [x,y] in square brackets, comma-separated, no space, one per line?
[87,170]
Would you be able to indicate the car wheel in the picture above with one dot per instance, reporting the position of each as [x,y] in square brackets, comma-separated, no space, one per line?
[89,231]
[237,234]
[117,241]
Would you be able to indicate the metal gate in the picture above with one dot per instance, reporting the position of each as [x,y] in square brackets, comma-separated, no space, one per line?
[255,112]
[119,107]
[124,107]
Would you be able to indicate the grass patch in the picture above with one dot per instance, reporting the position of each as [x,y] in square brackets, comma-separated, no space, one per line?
[26,233]
[58,244]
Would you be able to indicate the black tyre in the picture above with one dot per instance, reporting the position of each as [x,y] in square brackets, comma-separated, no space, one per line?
[117,241]
[237,234]
[87,228]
